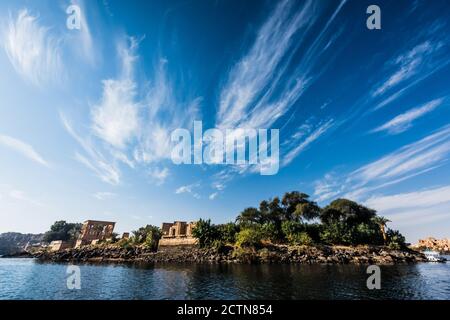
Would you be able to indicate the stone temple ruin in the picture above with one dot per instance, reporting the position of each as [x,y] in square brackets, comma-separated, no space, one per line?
[178,233]
[94,231]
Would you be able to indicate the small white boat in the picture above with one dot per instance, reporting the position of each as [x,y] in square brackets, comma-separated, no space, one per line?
[433,256]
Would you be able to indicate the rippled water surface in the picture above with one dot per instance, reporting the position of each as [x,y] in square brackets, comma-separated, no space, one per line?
[29,279]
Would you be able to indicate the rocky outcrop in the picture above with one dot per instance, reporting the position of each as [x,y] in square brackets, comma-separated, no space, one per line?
[14,242]
[271,254]
[442,246]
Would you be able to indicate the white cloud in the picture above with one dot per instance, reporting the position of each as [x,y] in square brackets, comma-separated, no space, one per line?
[7,192]
[214,195]
[262,87]
[316,134]
[162,113]
[408,66]
[106,170]
[33,52]
[416,199]
[159,175]
[190,189]
[403,164]
[404,121]
[412,209]
[22,148]
[115,118]
[104,195]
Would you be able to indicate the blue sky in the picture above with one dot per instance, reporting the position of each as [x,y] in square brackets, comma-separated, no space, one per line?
[86,115]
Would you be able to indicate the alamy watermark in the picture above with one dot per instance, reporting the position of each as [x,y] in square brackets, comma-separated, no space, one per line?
[73,21]
[227,146]
[374,280]
[73,281]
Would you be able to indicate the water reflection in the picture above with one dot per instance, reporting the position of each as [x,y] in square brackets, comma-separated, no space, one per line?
[28,279]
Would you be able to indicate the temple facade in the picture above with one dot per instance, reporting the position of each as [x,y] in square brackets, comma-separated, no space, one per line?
[93,231]
[178,233]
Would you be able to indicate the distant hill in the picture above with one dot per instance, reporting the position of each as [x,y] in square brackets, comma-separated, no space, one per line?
[11,242]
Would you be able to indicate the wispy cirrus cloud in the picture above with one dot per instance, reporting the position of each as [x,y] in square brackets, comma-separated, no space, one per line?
[23,148]
[115,118]
[260,89]
[13,194]
[408,65]
[303,143]
[409,161]
[104,167]
[159,175]
[189,189]
[409,69]
[213,195]
[414,208]
[103,195]
[404,121]
[32,50]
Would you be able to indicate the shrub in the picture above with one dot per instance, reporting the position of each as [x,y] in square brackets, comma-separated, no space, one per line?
[301,238]
[227,232]
[148,235]
[336,232]
[250,237]
[270,231]
[367,233]
[152,238]
[290,228]
[205,232]
[313,230]
[395,239]
[124,243]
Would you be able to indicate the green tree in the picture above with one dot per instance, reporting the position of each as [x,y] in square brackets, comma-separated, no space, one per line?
[205,232]
[61,230]
[381,222]
[148,235]
[395,239]
[249,238]
[249,216]
[227,232]
[307,211]
[347,211]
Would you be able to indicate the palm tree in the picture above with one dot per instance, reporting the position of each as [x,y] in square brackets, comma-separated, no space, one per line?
[382,221]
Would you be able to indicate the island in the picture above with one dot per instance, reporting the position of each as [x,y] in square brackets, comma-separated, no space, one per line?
[291,229]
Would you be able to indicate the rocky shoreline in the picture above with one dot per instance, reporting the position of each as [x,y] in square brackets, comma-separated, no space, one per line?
[270,254]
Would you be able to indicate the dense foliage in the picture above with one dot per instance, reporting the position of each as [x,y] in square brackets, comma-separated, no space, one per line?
[148,235]
[297,220]
[61,230]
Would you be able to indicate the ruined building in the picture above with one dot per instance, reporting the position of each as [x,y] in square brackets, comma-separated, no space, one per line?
[178,233]
[93,231]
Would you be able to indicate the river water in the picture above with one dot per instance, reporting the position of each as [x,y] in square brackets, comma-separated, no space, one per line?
[30,279]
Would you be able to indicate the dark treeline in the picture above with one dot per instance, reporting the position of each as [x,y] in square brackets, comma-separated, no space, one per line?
[297,220]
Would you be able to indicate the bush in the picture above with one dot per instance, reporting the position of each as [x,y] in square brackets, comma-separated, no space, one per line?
[152,238]
[301,238]
[269,231]
[61,230]
[365,233]
[205,232]
[250,237]
[125,243]
[313,230]
[227,232]
[290,228]
[148,235]
[336,232]
[395,239]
